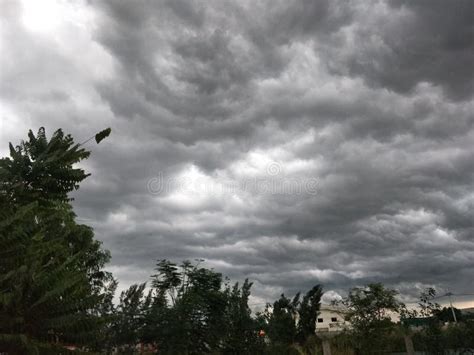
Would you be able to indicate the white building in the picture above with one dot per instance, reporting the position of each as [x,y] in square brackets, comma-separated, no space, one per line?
[331,319]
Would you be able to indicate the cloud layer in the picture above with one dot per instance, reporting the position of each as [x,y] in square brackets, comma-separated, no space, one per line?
[290,142]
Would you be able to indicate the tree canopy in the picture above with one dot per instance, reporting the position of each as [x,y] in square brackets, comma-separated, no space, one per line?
[50,266]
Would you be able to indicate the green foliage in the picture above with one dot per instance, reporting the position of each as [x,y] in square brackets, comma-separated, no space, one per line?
[281,320]
[308,312]
[460,336]
[290,323]
[129,318]
[368,310]
[445,314]
[44,297]
[438,332]
[50,267]
[42,170]
[188,310]
[436,339]
[192,320]
[240,332]
[102,135]
[427,308]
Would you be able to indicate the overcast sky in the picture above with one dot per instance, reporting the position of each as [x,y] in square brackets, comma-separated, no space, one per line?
[290,142]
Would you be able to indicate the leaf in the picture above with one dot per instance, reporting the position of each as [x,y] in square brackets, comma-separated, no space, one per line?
[13,153]
[102,135]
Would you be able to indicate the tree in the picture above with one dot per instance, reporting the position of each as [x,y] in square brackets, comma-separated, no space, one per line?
[191,311]
[290,323]
[50,267]
[105,337]
[308,312]
[445,314]
[435,337]
[430,338]
[189,307]
[240,334]
[41,171]
[368,310]
[427,308]
[44,299]
[129,319]
[281,319]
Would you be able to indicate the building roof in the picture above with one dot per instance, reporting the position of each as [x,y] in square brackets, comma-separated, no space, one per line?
[467,311]
[333,308]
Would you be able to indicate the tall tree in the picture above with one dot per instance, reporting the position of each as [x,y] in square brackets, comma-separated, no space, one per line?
[189,307]
[432,335]
[281,319]
[240,335]
[308,312]
[50,267]
[369,310]
[44,172]
[129,319]
[290,323]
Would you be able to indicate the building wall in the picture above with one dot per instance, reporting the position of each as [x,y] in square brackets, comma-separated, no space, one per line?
[330,320]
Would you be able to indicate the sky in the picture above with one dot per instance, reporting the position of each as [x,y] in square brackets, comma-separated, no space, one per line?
[291,142]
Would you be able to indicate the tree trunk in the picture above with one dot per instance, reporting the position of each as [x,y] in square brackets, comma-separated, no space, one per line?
[326,347]
[409,344]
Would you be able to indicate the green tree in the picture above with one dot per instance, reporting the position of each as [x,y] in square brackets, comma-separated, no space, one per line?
[105,337]
[189,308]
[435,338]
[445,314]
[44,299]
[51,277]
[427,306]
[281,321]
[431,337]
[129,320]
[290,323]
[308,312]
[369,311]
[240,335]
[41,171]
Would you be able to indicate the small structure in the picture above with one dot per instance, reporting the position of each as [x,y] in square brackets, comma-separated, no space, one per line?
[467,312]
[331,319]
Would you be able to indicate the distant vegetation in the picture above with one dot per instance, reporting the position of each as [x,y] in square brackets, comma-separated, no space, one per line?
[55,294]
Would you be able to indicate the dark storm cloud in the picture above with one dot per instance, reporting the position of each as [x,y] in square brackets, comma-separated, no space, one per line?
[402,43]
[211,102]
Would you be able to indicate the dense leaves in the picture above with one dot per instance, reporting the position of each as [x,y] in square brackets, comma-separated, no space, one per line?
[201,316]
[190,309]
[99,137]
[50,267]
[240,334]
[369,310]
[308,312]
[41,170]
[282,320]
[436,331]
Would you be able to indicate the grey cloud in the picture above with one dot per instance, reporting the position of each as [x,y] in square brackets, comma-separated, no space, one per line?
[423,41]
[354,95]
[290,20]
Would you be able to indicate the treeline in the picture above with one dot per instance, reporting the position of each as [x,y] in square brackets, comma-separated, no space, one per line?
[192,310]
[55,296]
